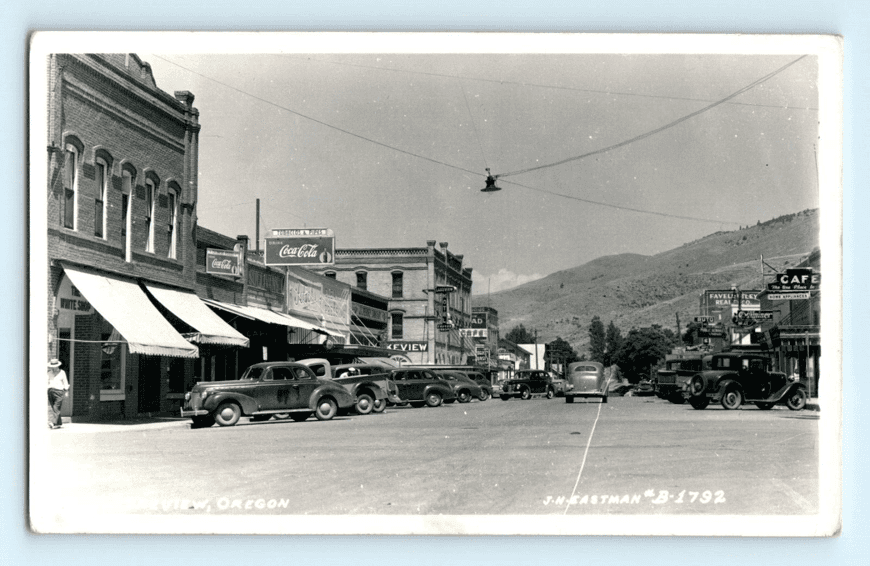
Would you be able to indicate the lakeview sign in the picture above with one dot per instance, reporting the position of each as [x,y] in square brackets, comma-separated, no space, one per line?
[222,262]
[406,346]
[302,246]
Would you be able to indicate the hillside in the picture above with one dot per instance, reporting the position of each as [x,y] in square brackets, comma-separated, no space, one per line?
[635,290]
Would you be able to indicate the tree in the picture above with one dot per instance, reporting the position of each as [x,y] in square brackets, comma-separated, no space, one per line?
[613,342]
[519,335]
[643,349]
[597,341]
[559,352]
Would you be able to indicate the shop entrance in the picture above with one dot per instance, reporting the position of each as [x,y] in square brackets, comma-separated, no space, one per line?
[149,384]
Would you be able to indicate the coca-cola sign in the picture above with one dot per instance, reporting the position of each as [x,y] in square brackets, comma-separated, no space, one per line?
[222,262]
[303,249]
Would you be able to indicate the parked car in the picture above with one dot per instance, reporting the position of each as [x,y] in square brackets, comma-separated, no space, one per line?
[421,387]
[737,377]
[486,390]
[528,382]
[678,370]
[264,390]
[464,388]
[368,383]
[587,380]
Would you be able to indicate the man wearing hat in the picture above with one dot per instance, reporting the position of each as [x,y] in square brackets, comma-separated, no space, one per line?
[57,388]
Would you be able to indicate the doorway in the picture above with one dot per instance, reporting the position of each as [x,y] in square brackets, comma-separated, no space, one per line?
[149,384]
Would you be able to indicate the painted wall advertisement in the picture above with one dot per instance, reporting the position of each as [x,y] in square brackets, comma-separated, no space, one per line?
[222,262]
[302,246]
[320,300]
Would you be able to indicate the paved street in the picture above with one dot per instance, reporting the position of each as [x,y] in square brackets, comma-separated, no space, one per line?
[630,456]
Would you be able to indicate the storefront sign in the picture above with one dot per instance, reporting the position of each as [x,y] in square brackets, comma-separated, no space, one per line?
[222,262]
[796,280]
[370,313]
[408,346]
[747,300]
[474,332]
[312,246]
[70,301]
[704,319]
[478,320]
[755,315]
[788,296]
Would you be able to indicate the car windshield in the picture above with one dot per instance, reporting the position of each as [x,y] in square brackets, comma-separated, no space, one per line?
[253,373]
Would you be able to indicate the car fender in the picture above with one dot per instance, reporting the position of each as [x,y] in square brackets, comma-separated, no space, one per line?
[248,404]
[445,391]
[726,383]
[342,397]
[786,391]
[377,391]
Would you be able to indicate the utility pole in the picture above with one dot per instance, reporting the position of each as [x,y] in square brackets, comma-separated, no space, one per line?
[257,239]
[536,348]
[679,330]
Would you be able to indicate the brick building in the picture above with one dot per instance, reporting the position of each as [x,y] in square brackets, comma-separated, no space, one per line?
[121,214]
[408,277]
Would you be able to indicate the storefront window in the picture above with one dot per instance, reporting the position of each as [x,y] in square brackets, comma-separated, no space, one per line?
[111,365]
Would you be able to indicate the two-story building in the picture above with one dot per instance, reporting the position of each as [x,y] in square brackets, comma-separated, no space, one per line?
[424,286]
[123,317]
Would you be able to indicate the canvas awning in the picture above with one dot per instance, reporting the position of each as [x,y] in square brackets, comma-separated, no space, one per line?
[127,308]
[266,315]
[210,328]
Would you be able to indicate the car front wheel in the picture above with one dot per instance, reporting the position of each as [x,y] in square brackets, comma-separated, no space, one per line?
[433,399]
[227,414]
[364,404]
[732,399]
[379,406]
[326,409]
[484,395]
[525,394]
[550,393]
[464,396]
[797,400]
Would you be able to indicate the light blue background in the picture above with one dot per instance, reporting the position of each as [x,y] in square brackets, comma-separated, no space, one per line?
[850,18]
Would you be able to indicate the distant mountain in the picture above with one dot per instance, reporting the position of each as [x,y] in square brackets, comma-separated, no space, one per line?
[635,290]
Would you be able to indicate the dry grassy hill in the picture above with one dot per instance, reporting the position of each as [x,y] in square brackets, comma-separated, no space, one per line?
[635,290]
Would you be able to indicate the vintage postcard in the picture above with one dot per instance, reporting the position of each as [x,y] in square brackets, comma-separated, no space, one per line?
[435,283]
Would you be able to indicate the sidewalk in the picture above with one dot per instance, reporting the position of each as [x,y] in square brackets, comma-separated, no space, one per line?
[139,423]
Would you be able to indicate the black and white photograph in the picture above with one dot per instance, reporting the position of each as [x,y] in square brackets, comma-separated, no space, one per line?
[435,283]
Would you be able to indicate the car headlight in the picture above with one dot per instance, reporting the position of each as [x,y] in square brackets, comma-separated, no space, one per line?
[187,396]
[697,385]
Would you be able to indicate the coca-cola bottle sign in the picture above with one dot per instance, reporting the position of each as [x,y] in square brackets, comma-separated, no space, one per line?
[300,250]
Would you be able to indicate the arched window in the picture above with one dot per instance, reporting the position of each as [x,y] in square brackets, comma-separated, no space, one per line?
[398,284]
[330,274]
[101,171]
[70,186]
[151,184]
[172,199]
[362,280]
[128,175]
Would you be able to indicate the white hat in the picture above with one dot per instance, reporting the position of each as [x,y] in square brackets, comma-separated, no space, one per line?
[54,363]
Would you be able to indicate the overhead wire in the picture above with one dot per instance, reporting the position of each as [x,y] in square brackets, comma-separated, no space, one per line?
[571,197]
[659,129]
[547,86]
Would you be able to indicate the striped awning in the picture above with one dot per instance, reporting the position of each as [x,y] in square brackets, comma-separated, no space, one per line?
[265,315]
[210,328]
[129,310]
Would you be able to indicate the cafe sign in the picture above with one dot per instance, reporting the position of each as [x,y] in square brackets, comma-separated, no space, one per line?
[303,246]
[796,280]
[222,262]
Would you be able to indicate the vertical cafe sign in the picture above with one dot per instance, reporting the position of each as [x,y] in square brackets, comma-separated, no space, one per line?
[301,246]
[222,262]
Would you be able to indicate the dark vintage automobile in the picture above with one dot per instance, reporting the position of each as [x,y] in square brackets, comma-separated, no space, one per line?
[528,382]
[421,387]
[678,370]
[368,383]
[463,387]
[587,379]
[482,381]
[735,378]
[264,390]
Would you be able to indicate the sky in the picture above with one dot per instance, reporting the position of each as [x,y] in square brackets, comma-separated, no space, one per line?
[391,150]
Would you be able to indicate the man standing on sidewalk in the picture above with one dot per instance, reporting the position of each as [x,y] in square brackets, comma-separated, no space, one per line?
[57,388]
